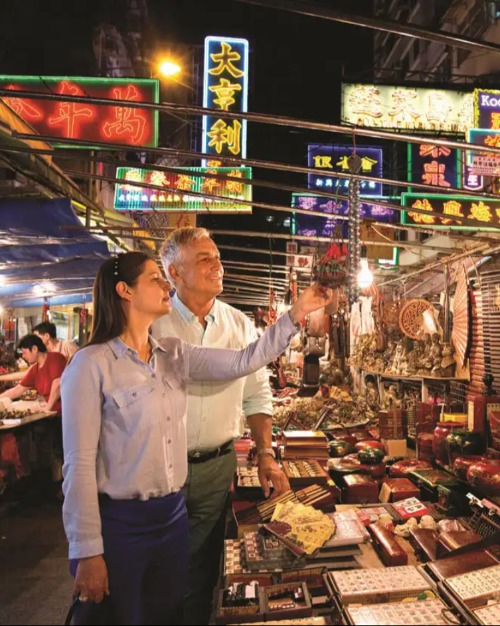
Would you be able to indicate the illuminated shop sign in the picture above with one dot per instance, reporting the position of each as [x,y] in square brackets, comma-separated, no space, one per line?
[443,208]
[483,163]
[471,180]
[383,106]
[433,165]
[336,158]
[368,209]
[174,194]
[87,121]
[225,87]
[487,109]
[330,227]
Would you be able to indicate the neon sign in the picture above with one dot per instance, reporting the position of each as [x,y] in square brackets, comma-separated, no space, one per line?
[487,109]
[384,106]
[174,192]
[336,158]
[91,122]
[225,87]
[442,208]
[484,163]
[433,165]
[369,209]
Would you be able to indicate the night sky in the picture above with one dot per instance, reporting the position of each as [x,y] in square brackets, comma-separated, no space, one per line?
[296,63]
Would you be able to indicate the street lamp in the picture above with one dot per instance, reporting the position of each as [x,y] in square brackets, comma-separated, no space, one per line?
[169,68]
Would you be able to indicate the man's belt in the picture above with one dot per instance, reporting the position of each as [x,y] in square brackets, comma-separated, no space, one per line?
[201,457]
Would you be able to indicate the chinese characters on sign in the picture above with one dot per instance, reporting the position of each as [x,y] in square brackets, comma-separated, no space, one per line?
[383,106]
[442,209]
[486,109]
[483,163]
[225,87]
[91,122]
[368,209]
[174,194]
[471,180]
[335,158]
[433,165]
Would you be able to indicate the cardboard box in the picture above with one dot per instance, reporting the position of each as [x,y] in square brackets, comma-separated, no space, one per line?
[395,447]
[455,417]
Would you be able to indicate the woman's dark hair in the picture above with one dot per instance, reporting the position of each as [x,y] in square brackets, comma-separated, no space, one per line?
[109,317]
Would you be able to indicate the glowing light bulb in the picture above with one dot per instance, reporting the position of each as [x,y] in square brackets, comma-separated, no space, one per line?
[365,276]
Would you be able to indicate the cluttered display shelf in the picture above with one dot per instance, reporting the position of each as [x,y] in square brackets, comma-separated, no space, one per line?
[414,378]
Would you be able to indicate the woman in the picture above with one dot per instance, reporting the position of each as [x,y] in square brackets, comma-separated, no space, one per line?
[124,403]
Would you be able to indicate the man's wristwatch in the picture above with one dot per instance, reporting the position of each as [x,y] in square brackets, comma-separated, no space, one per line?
[261,451]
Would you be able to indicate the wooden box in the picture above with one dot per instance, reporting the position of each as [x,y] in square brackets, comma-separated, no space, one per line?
[244,613]
[359,488]
[304,472]
[395,489]
[385,543]
[287,601]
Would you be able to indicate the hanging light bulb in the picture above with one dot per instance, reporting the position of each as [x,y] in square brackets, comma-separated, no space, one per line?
[365,276]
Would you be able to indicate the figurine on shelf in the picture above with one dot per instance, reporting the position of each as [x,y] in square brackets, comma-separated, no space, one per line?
[414,358]
[426,362]
[447,366]
[389,354]
[436,351]
[398,359]
[371,393]
[392,399]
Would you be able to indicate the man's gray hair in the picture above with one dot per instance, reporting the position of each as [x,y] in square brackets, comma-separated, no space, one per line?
[171,251]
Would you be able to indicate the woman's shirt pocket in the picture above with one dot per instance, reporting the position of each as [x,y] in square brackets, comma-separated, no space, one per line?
[135,408]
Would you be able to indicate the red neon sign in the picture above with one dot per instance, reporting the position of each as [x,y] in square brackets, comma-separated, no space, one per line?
[88,121]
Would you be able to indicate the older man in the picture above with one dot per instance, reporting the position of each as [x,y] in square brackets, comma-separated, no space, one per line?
[192,263]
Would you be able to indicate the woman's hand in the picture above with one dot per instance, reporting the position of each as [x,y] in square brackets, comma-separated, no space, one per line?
[314,297]
[91,580]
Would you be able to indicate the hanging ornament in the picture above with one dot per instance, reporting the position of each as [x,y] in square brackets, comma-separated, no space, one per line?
[273,308]
[46,316]
[354,229]
[83,317]
[331,269]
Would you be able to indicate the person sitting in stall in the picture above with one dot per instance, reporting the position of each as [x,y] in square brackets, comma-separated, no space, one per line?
[44,374]
[48,334]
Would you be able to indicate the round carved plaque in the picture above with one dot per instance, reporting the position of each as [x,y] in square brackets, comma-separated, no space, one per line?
[410,317]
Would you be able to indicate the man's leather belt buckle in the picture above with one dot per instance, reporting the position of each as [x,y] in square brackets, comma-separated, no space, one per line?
[198,457]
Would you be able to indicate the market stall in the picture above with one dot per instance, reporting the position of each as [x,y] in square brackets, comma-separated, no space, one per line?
[394,511]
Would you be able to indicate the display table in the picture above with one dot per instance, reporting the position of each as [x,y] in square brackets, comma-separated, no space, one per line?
[9,424]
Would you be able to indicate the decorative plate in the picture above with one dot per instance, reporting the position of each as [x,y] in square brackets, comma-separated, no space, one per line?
[410,317]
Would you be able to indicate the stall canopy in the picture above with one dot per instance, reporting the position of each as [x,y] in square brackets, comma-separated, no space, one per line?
[41,256]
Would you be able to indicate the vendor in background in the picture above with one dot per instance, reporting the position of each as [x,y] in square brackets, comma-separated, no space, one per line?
[48,334]
[44,373]
[192,263]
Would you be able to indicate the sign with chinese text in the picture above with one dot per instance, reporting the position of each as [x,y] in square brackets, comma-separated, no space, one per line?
[87,121]
[486,109]
[175,195]
[442,209]
[483,163]
[225,87]
[369,209]
[336,159]
[410,108]
[433,165]
[300,262]
[471,180]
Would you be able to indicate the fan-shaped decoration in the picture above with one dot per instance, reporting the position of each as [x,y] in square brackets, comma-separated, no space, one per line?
[410,317]
[460,334]
[391,313]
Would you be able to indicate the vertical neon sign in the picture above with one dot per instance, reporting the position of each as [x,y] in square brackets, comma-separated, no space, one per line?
[225,87]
